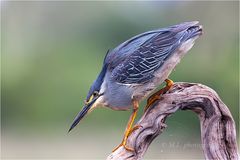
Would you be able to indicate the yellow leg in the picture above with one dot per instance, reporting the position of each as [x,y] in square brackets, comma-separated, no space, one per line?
[156,96]
[129,128]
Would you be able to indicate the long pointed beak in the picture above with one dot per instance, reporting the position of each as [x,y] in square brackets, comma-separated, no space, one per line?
[81,114]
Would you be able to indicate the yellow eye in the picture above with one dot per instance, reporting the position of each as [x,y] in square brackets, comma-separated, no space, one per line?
[95,93]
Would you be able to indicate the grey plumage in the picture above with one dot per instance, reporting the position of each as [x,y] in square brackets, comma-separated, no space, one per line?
[136,67]
[142,55]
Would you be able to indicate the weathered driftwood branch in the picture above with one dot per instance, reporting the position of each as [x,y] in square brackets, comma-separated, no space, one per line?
[218,132]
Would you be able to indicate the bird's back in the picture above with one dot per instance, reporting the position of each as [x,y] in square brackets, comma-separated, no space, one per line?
[135,60]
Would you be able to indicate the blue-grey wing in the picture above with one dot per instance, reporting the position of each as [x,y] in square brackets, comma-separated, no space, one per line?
[136,60]
[124,50]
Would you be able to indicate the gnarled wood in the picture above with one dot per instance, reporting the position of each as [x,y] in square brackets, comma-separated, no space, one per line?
[218,133]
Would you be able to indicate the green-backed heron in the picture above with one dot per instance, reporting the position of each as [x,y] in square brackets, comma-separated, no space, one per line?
[135,68]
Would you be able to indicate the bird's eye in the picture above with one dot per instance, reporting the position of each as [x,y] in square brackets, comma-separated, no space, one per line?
[95,93]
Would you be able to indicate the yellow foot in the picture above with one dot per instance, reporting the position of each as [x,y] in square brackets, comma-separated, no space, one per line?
[133,129]
[156,96]
[124,141]
[125,146]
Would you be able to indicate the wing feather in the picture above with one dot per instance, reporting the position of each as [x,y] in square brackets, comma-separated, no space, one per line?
[138,64]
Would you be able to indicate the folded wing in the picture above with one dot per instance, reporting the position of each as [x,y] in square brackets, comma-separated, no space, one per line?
[135,61]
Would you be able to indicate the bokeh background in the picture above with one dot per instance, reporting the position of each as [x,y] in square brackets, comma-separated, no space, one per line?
[51,52]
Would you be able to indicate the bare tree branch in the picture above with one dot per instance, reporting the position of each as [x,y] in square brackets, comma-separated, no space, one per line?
[218,133]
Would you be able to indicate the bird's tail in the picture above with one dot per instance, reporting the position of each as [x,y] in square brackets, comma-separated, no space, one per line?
[190,29]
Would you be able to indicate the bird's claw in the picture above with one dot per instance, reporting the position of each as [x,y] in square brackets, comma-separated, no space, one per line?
[157,96]
[133,129]
[125,146]
[151,100]
[124,141]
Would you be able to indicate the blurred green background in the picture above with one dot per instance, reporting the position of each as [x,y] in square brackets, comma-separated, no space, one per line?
[52,51]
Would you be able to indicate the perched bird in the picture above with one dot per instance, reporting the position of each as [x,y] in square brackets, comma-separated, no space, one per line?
[135,68]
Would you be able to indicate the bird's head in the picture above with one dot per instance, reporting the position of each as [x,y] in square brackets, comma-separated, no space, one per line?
[93,99]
